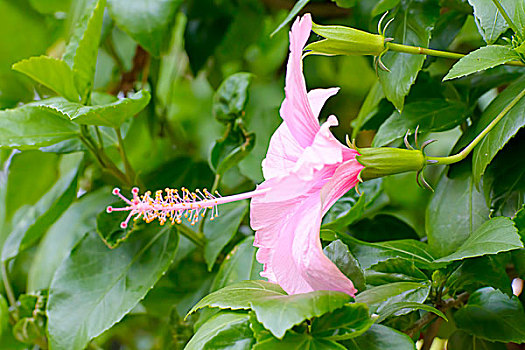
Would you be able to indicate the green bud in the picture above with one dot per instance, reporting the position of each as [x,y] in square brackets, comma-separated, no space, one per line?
[341,40]
[383,161]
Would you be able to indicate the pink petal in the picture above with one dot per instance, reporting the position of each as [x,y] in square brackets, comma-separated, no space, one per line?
[318,97]
[283,153]
[344,179]
[317,270]
[295,110]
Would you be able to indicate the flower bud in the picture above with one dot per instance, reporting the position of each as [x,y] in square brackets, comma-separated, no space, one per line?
[383,161]
[341,40]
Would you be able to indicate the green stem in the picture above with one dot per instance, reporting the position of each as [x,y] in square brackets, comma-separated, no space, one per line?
[416,50]
[99,137]
[127,165]
[7,286]
[465,152]
[507,18]
[196,237]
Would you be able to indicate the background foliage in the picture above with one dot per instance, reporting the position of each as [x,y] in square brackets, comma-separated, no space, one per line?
[171,93]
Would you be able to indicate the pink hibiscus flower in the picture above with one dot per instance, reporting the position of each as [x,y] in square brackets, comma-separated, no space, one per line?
[306,170]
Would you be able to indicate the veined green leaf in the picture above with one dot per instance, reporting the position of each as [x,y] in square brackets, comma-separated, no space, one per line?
[412,25]
[456,210]
[148,22]
[380,337]
[293,12]
[494,236]
[484,58]
[429,115]
[103,285]
[492,315]
[33,221]
[30,127]
[382,297]
[82,49]
[219,232]
[489,20]
[227,329]
[503,131]
[52,73]
[112,115]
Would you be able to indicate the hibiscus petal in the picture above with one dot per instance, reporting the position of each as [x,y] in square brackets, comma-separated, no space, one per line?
[325,150]
[318,97]
[295,110]
[283,153]
[299,264]
[343,179]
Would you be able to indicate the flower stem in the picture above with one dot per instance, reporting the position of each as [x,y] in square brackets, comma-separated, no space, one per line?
[7,286]
[465,152]
[509,21]
[127,165]
[416,50]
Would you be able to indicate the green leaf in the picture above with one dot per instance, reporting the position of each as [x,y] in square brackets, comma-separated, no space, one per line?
[394,270]
[293,12]
[489,20]
[297,341]
[504,182]
[112,114]
[229,101]
[475,273]
[31,222]
[63,235]
[4,315]
[352,205]
[280,313]
[380,337]
[52,73]
[239,295]
[103,285]
[147,22]
[369,254]
[340,255]
[456,210]
[265,298]
[219,232]
[412,25]
[382,6]
[239,265]
[403,306]
[226,330]
[369,108]
[503,131]
[494,236]
[492,315]
[108,226]
[30,127]
[350,321]
[464,341]
[430,115]
[382,297]
[481,59]
[82,49]
[50,6]
[231,149]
